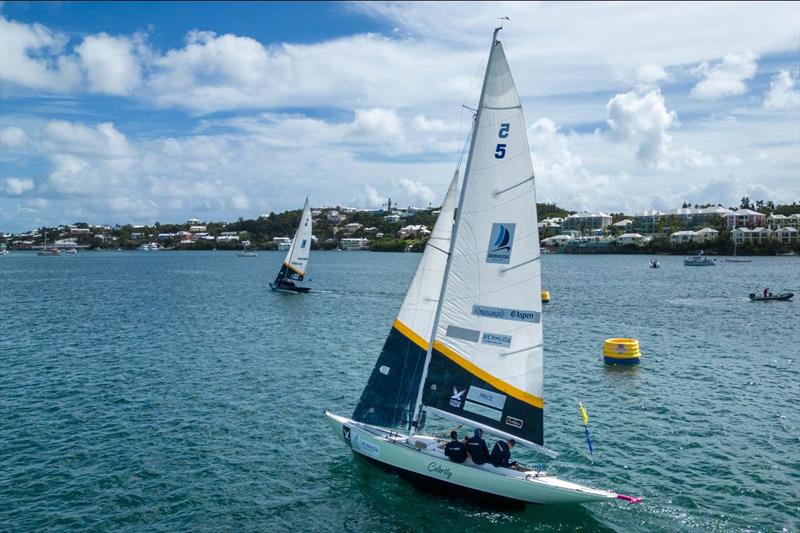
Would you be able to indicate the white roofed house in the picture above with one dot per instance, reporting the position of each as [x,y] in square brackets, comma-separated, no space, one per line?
[680,237]
[745,218]
[786,235]
[647,221]
[557,240]
[586,221]
[623,224]
[741,235]
[632,238]
[777,221]
[706,235]
[414,229]
[351,228]
[793,221]
[759,235]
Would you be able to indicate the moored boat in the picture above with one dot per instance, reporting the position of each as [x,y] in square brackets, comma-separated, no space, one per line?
[698,261]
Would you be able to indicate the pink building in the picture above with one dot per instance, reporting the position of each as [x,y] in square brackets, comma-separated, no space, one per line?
[745,218]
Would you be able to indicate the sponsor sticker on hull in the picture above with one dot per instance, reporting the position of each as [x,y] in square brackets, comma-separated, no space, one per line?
[363,445]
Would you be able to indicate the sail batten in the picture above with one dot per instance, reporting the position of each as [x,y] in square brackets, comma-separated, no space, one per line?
[485,359]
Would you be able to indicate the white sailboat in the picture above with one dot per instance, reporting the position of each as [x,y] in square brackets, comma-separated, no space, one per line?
[296,261]
[245,252]
[45,251]
[735,258]
[467,343]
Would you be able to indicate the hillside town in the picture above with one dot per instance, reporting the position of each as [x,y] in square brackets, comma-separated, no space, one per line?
[749,229]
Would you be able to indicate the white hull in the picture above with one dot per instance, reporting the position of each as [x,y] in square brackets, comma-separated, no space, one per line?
[421,456]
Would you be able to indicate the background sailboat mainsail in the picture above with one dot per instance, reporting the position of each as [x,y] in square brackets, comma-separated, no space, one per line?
[294,265]
[389,396]
[487,354]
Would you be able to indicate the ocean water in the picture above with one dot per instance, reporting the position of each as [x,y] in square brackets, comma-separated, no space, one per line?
[173,391]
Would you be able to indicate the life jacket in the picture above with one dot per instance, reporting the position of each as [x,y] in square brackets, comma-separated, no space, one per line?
[477,449]
[500,454]
[456,451]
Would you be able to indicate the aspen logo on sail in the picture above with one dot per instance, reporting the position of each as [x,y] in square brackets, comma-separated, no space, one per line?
[500,242]
[501,313]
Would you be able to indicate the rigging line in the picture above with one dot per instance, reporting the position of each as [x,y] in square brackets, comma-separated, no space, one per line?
[521,264]
[498,193]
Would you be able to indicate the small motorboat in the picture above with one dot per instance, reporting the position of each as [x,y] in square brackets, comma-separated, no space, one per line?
[654,263]
[783,297]
[698,261]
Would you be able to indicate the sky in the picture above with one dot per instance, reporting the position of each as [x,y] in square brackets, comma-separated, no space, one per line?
[138,112]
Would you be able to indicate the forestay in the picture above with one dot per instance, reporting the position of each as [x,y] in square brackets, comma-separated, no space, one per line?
[294,265]
[486,361]
[389,396]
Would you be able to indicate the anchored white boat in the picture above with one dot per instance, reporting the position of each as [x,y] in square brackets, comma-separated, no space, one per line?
[467,344]
[245,252]
[296,261]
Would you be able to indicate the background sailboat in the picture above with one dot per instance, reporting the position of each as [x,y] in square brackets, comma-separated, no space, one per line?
[483,356]
[245,252]
[296,261]
[736,259]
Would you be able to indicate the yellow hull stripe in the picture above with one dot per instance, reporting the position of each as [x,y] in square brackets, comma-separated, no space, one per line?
[293,269]
[410,335]
[497,383]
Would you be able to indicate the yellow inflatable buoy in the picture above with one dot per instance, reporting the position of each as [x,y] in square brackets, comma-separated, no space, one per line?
[619,351]
[545,296]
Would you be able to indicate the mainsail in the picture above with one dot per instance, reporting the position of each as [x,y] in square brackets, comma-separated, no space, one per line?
[294,265]
[485,364]
[389,396]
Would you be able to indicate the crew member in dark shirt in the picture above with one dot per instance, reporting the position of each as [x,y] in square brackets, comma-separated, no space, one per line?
[501,454]
[455,449]
[477,449]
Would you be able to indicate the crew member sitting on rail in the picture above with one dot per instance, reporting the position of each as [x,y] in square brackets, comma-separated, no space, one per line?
[501,454]
[455,449]
[477,449]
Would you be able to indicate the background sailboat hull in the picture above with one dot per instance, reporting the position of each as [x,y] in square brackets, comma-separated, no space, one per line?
[295,290]
[436,472]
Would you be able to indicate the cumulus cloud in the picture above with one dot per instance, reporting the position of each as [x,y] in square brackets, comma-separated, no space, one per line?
[104,140]
[560,174]
[416,192]
[369,198]
[644,121]
[17,186]
[782,94]
[377,122]
[13,137]
[650,74]
[110,64]
[725,78]
[30,56]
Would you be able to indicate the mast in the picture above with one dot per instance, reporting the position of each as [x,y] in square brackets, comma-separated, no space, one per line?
[459,210]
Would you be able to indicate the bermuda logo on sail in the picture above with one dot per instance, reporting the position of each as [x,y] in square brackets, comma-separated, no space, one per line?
[500,242]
